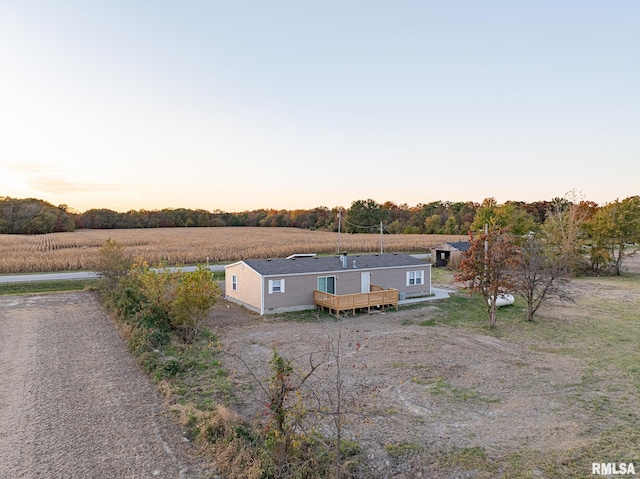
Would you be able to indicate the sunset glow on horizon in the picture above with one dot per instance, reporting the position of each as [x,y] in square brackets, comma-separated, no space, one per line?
[247,105]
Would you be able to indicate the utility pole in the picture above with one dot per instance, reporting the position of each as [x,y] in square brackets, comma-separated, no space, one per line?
[339,228]
[381,245]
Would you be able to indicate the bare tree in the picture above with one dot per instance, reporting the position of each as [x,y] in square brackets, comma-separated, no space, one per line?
[309,405]
[539,273]
[564,227]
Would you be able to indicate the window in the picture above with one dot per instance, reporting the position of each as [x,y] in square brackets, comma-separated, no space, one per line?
[234,282]
[276,286]
[415,277]
[327,284]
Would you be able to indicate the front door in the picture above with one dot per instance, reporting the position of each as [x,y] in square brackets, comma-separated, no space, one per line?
[365,282]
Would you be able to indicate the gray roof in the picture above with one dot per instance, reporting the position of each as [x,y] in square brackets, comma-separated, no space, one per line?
[459,245]
[325,264]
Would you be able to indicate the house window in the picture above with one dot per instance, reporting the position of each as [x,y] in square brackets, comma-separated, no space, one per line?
[327,284]
[415,278]
[234,282]
[276,286]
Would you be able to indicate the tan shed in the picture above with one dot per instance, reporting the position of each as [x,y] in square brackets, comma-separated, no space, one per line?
[449,254]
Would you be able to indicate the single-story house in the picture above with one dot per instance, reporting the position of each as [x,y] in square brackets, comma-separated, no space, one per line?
[289,284]
[449,253]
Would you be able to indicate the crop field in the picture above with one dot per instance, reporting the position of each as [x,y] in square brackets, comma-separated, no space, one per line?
[78,251]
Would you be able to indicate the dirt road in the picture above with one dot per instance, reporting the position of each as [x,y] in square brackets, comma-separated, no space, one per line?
[73,402]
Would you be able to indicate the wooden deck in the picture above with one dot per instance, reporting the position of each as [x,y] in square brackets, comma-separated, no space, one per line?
[377,297]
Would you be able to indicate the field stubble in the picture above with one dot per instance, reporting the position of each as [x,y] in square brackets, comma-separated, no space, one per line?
[78,251]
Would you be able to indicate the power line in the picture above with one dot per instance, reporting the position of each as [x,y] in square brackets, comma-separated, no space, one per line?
[380,227]
[360,226]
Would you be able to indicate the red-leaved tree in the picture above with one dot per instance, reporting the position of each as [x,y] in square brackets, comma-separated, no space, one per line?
[486,266]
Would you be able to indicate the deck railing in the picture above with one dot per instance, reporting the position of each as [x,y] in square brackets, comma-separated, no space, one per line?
[377,297]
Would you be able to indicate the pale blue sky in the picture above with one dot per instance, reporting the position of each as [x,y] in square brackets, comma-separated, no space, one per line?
[245,105]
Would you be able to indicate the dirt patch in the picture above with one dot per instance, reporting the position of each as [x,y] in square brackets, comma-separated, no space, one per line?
[432,389]
[632,264]
[74,402]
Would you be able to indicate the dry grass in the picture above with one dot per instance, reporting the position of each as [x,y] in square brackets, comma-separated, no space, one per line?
[223,437]
[78,251]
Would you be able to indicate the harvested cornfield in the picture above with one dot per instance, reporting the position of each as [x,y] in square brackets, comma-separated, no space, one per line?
[78,251]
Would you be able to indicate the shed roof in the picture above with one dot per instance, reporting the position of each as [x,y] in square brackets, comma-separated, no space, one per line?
[459,245]
[325,264]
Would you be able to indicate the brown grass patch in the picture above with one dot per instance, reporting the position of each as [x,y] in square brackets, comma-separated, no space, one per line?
[216,433]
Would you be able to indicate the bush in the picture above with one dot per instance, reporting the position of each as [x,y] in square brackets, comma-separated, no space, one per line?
[113,262]
[195,294]
[184,298]
[170,368]
[147,339]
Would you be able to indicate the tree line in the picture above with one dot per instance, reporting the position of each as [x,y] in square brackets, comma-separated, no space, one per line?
[35,216]
[597,237]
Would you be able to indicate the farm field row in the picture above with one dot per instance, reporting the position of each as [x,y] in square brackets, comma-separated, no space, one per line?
[78,250]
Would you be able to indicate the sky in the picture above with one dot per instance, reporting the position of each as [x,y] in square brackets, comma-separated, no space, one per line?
[245,105]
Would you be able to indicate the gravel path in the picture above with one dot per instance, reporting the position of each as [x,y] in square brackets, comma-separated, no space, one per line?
[73,401]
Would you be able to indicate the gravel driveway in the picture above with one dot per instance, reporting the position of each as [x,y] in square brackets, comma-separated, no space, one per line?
[73,401]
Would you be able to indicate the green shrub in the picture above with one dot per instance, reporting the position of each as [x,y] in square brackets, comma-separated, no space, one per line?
[128,300]
[143,340]
[195,294]
[184,298]
[151,316]
[171,368]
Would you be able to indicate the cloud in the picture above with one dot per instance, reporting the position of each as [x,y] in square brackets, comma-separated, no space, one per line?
[27,169]
[59,186]
[50,179]
[31,168]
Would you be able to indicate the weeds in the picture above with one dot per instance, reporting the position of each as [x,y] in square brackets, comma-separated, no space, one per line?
[49,286]
[402,449]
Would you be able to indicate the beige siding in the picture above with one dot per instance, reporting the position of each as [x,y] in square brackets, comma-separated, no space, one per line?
[298,289]
[298,293]
[397,278]
[248,292]
[348,281]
